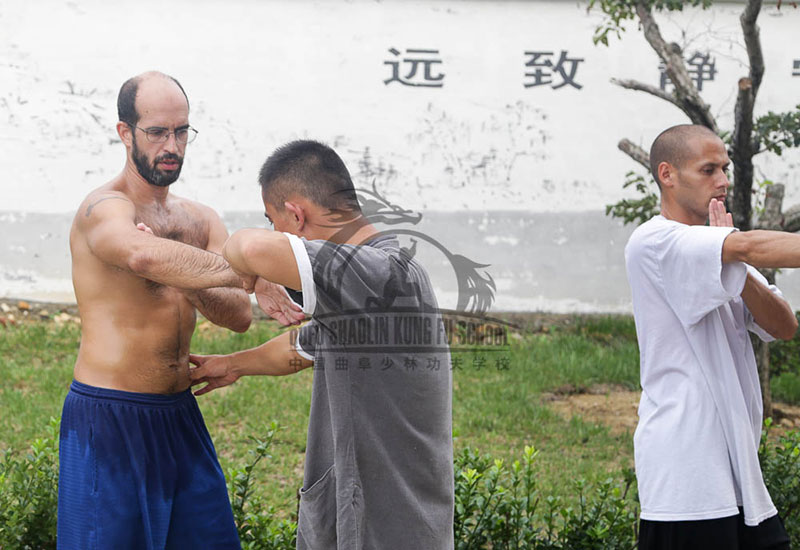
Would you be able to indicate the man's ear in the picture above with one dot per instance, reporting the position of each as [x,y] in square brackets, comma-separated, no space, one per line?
[297,214]
[666,174]
[125,134]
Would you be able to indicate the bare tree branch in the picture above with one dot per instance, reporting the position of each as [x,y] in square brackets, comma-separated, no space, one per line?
[686,93]
[752,41]
[652,90]
[635,152]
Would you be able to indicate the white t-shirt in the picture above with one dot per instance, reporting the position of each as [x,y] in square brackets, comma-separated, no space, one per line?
[696,444]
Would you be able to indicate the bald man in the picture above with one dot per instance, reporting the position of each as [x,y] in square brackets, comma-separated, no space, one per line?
[695,297]
[138,469]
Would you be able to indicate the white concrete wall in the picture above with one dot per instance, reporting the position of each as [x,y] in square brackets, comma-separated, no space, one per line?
[261,73]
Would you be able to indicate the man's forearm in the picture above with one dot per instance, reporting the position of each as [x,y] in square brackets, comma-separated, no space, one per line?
[761,248]
[277,357]
[226,307]
[769,310]
[180,265]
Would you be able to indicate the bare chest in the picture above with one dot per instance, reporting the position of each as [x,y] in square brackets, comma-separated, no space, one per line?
[175,224]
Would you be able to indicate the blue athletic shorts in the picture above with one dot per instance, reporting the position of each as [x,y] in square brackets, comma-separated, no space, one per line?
[139,471]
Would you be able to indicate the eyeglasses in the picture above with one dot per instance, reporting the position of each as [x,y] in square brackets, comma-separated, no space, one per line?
[156,134]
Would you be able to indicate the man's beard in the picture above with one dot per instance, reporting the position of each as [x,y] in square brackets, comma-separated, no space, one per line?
[151,173]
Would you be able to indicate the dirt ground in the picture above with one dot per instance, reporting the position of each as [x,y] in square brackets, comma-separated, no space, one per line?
[616,408]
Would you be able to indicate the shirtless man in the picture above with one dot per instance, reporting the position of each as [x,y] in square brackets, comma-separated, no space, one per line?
[138,469]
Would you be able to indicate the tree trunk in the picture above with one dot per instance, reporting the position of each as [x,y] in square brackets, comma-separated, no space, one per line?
[770,218]
[761,351]
[742,156]
[742,145]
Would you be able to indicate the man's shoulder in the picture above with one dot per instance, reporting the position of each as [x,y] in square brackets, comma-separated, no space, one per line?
[646,233]
[96,197]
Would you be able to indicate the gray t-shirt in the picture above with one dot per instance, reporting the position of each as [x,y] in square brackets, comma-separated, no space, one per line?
[379,457]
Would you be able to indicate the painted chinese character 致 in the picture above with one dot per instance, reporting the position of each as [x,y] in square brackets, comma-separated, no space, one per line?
[543,70]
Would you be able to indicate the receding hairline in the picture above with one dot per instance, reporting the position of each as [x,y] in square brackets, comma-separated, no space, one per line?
[131,86]
[152,76]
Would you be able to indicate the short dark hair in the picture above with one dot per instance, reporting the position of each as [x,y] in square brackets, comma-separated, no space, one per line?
[312,170]
[126,100]
[672,146]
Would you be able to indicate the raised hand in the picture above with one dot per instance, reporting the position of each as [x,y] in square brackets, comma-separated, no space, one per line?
[717,216]
[275,302]
[214,370]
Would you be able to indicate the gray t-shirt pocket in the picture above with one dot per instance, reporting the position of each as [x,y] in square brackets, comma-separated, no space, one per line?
[316,519]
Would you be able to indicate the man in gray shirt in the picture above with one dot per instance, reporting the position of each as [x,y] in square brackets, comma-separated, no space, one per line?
[379,458]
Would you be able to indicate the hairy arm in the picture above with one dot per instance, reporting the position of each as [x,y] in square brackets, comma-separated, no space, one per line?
[261,253]
[277,357]
[226,307]
[111,234]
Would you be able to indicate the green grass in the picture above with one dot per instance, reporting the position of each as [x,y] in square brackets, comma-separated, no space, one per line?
[495,411]
[786,387]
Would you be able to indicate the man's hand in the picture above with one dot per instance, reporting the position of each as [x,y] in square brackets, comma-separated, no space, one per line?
[717,216]
[275,302]
[142,227]
[215,370]
[248,281]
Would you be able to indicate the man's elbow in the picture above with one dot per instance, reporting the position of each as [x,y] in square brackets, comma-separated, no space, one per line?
[738,247]
[140,261]
[788,330]
[239,326]
[243,320]
[234,249]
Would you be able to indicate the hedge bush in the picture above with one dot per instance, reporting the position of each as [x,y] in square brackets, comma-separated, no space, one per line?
[498,505]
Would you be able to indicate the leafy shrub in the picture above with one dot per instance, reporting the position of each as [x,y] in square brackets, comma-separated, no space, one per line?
[29,495]
[784,359]
[780,464]
[258,527]
[500,507]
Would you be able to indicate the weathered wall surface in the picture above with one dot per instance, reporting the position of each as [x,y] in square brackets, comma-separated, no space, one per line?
[510,160]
